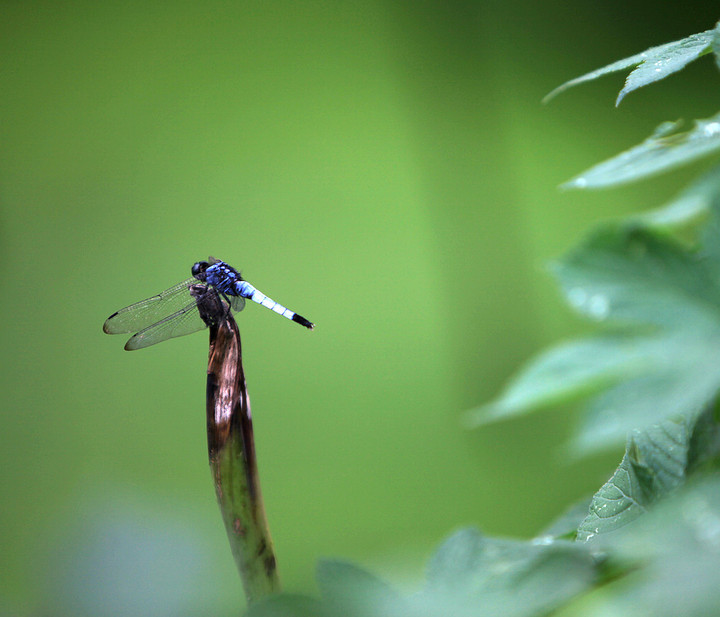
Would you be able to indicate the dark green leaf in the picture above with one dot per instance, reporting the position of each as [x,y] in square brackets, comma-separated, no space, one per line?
[655,462]
[664,150]
[704,448]
[652,65]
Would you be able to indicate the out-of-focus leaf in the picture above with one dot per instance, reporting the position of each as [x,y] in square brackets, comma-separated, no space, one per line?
[128,556]
[657,460]
[566,525]
[350,591]
[677,549]
[475,576]
[565,372]
[459,556]
[285,605]
[659,304]
[667,300]
[693,205]
[664,150]
[470,575]
[652,65]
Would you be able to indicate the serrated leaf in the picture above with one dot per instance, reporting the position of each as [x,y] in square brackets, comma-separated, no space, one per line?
[666,60]
[716,44]
[664,150]
[659,306]
[473,575]
[652,65]
[655,462]
[676,548]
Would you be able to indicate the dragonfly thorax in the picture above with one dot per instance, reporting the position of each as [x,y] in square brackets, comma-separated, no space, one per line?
[223,277]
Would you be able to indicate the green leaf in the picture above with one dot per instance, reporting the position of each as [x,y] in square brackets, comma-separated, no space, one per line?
[704,447]
[716,44]
[652,65]
[566,525]
[565,372]
[693,205]
[473,575]
[664,150]
[350,591]
[656,461]
[658,355]
[285,605]
[459,556]
[666,299]
[676,548]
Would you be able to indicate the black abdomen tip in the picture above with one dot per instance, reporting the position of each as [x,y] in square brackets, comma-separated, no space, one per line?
[303,322]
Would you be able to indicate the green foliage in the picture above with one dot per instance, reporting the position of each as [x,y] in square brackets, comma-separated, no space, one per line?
[672,558]
[285,605]
[648,542]
[469,575]
[657,460]
[658,306]
[651,65]
[663,151]
[350,591]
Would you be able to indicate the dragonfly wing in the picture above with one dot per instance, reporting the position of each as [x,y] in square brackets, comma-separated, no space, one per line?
[237,303]
[150,311]
[185,321]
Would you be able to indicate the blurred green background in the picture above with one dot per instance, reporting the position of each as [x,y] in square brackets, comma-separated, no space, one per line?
[384,168]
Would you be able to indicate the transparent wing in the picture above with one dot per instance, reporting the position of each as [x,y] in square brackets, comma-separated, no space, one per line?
[237,303]
[185,321]
[151,311]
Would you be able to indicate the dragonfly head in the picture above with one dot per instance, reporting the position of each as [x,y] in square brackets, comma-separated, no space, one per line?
[198,270]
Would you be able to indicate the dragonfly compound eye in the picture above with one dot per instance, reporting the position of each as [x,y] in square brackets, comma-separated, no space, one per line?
[198,270]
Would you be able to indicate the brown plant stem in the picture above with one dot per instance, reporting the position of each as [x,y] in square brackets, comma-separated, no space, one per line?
[231,450]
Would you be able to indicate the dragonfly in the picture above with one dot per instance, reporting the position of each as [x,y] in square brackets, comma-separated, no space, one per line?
[174,312]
